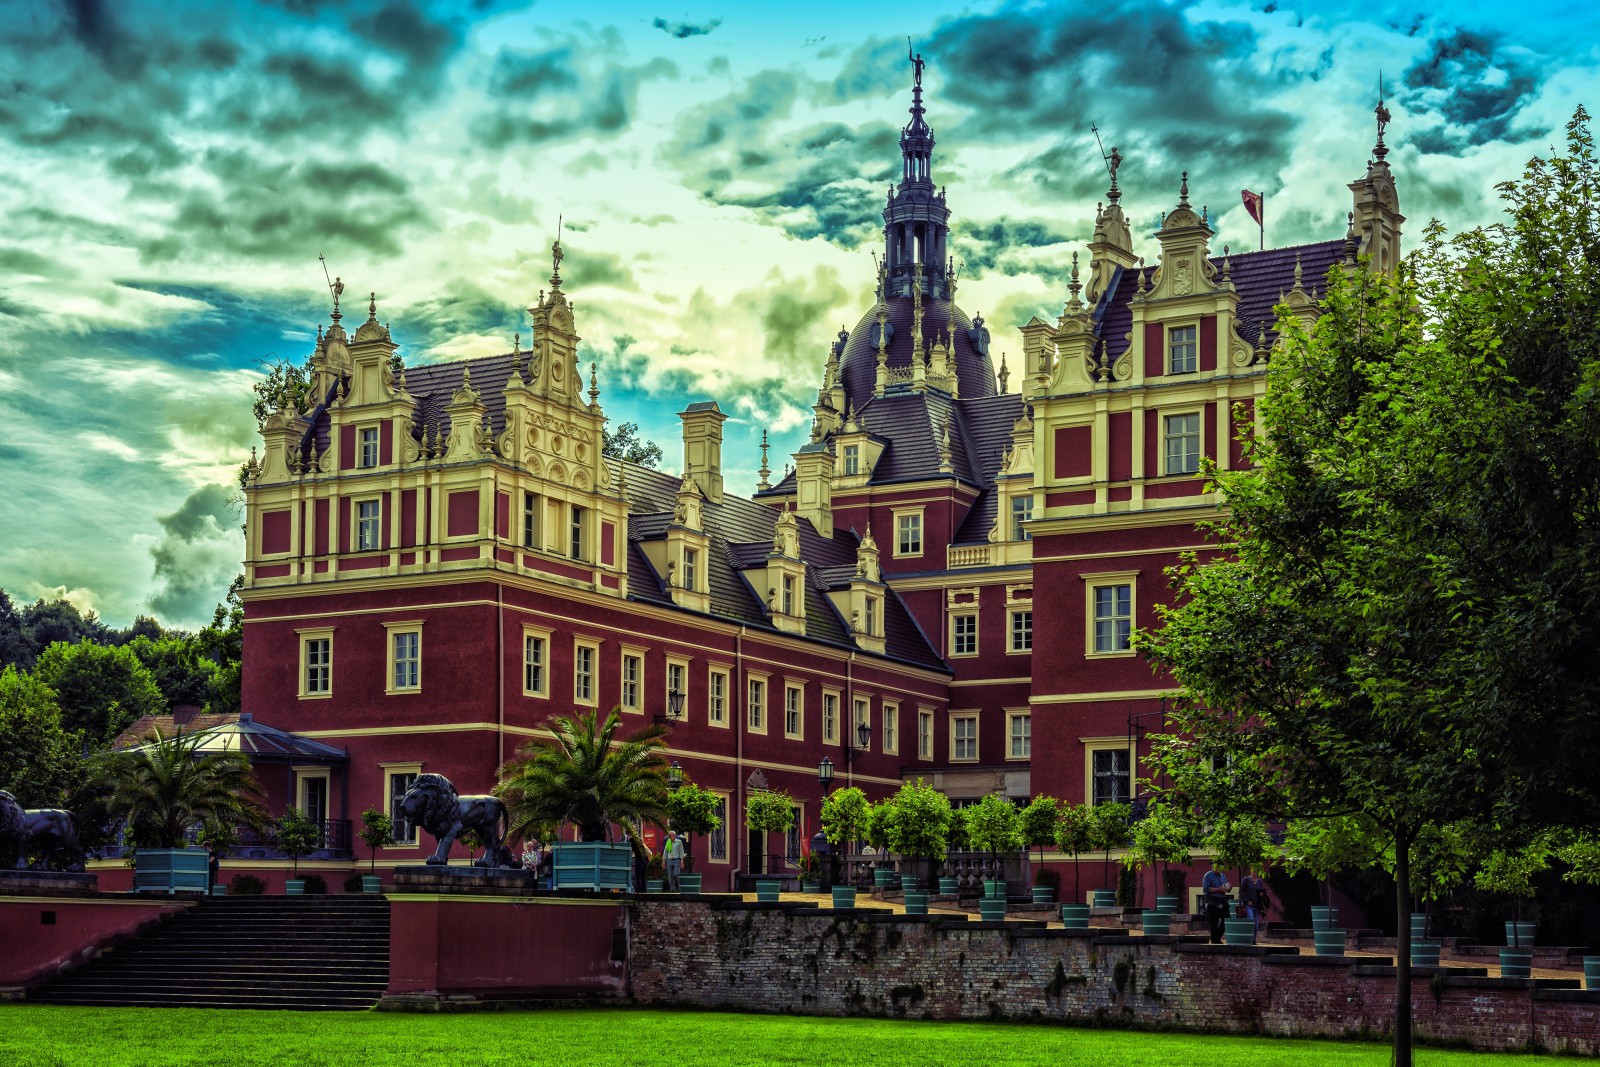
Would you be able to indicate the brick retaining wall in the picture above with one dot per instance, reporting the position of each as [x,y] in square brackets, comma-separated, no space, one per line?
[791,958]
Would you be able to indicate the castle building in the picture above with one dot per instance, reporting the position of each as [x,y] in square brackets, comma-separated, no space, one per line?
[441,557]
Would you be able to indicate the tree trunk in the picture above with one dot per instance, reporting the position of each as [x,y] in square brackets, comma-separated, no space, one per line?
[1402,948]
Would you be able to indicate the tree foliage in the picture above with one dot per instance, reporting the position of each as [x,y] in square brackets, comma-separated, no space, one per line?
[844,816]
[377,831]
[1038,821]
[994,824]
[625,443]
[588,776]
[168,785]
[769,811]
[101,689]
[918,821]
[1240,842]
[692,810]
[40,761]
[297,835]
[1075,835]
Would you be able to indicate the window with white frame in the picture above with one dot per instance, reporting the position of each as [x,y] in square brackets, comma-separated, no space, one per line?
[852,460]
[891,727]
[964,737]
[871,628]
[400,782]
[369,447]
[1110,780]
[924,733]
[678,682]
[908,533]
[632,681]
[717,845]
[1022,631]
[578,533]
[1181,350]
[793,711]
[535,663]
[717,697]
[316,663]
[863,716]
[405,658]
[1021,515]
[1019,729]
[532,512]
[788,594]
[1112,618]
[583,667]
[964,634]
[756,708]
[830,718]
[1183,442]
[367,525]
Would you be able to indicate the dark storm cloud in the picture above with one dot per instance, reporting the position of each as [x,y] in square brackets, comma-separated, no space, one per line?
[681,30]
[1475,84]
[574,89]
[458,308]
[197,553]
[1000,245]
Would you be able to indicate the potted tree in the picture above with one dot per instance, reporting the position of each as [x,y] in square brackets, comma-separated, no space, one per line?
[1322,846]
[1510,873]
[1110,832]
[1161,837]
[377,831]
[1075,835]
[586,775]
[918,829]
[844,820]
[1582,857]
[994,825]
[769,811]
[1038,825]
[1240,842]
[692,810]
[877,836]
[296,835]
[1440,862]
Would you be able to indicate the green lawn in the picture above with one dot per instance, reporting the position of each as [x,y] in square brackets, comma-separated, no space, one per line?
[43,1036]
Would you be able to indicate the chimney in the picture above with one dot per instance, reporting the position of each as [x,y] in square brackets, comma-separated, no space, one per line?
[702,447]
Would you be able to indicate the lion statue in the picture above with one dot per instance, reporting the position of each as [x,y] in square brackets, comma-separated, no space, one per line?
[51,834]
[13,833]
[433,804]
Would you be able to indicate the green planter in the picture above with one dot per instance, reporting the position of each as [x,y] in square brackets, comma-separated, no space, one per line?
[1424,953]
[1167,904]
[1104,898]
[219,890]
[1156,922]
[1043,894]
[691,883]
[994,888]
[916,903]
[992,909]
[1238,931]
[1075,916]
[171,870]
[1516,963]
[294,887]
[949,887]
[768,891]
[880,877]
[1329,942]
[1324,918]
[606,865]
[810,887]
[1591,972]
[372,883]
[844,896]
[1419,925]
[1519,935]
[653,885]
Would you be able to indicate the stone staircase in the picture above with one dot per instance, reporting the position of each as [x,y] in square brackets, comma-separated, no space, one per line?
[313,953]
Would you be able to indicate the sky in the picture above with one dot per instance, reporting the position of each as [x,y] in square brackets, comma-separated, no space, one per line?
[171,172]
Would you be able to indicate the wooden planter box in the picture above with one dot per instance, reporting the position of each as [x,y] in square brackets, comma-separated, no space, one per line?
[591,865]
[171,870]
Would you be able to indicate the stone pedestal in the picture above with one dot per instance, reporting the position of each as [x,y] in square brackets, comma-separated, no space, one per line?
[492,881]
[48,884]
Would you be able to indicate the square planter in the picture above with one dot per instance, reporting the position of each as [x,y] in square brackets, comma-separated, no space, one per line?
[992,909]
[1519,935]
[653,885]
[1075,916]
[219,890]
[171,870]
[1238,931]
[1424,953]
[1105,898]
[844,896]
[1591,972]
[1323,918]
[1419,925]
[372,883]
[768,891]
[1329,942]
[690,884]
[1044,894]
[1516,963]
[994,888]
[294,887]
[591,865]
[810,887]
[949,887]
[916,903]
[1167,904]
[1156,922]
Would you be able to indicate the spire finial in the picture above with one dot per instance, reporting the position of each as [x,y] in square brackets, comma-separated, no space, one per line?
[594,384]
[1183,191]
[1382,113]
[765,471]
[556,256]
[917,64]
[372,307]
[1004,375]
[338,291]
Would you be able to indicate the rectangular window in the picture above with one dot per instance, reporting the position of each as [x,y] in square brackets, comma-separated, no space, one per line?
[788,594]
[1183,443]
[1021,515]
[963,635]
[678,682]
[533,665]
[717,699]
[1113,618]
[757,708]
[1181,357]
[852,460]
[908,534]
[632,681]
[924,734]
[964,737]
[583,658]
[1022,631]
[718,845]
[830,718]
[532,507]
[400,782]
[316,665]
[1110,773]
[367,525]
[872,617]
[405,648]
[1020,726]
[793,710]
[891,727]
[369,447]
[578,533]
[863,716]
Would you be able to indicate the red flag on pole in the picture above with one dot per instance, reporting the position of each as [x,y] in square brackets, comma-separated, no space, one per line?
[1252,203]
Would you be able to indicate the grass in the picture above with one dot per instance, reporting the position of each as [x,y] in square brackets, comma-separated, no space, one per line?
[44,1036]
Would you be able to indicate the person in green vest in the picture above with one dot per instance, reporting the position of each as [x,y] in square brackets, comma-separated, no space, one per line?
[673,854]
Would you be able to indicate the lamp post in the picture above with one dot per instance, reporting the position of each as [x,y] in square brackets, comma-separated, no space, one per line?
[674,777]
[863,742]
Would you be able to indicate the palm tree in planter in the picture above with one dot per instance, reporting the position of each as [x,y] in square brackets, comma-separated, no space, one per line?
[769,811]
[165,787]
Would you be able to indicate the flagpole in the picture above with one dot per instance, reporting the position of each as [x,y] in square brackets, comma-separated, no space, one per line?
[1262,222]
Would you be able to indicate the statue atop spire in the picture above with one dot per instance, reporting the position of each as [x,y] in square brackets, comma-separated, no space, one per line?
[916,62]
[556,256]
[1380,149]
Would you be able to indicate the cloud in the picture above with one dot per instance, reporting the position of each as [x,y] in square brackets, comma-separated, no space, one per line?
[681,30]
[1476,83]
[198,553]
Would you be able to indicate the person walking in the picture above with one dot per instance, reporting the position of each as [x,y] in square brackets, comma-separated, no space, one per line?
[673,854]
[1214,898]
[1253,898]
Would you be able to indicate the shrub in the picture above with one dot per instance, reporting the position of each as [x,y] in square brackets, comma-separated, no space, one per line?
[352,884]
[246,885]
[316,885]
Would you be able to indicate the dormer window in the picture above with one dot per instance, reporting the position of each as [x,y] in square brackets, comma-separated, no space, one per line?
[369,447]
[1021,515]
[1182,350]
[872,615]
[852,460]
[691,558]
[788,595]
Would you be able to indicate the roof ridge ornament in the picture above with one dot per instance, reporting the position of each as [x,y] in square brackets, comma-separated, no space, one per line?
[1183,191]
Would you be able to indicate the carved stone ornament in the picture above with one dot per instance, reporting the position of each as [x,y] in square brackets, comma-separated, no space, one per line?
[1183,278]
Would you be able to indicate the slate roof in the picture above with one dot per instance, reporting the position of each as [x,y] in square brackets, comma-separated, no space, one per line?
[859,364]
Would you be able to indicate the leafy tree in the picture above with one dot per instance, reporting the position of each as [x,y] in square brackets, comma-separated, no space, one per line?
[994,825]
[40,762]
[918,821]
[1110,829]
[1241,843]
[17,646]
[769,811]
[876,830]
[844,816]
[1038,826]
[377,831]
[588,776]
[1323,847]
[692,810]
[297,835]
[286,385]
[176,664]
[625,443]
[101,689]
[1075,835]
[1161,837]
[222,643]
[1510,872]
[1441,856]
[168,785]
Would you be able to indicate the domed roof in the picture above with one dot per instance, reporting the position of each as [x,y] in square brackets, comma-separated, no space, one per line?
[859,364]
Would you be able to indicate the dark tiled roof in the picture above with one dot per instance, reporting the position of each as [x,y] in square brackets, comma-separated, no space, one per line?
[985,434]
[859,367]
